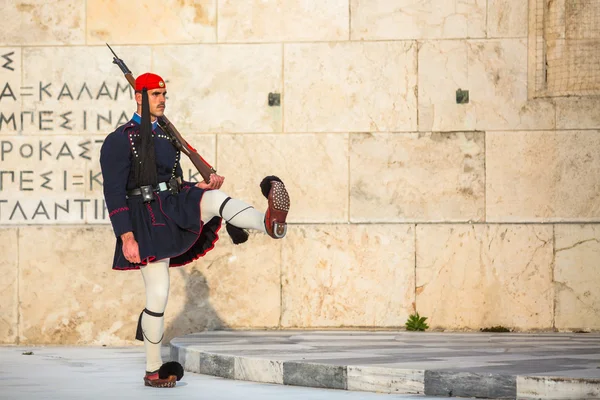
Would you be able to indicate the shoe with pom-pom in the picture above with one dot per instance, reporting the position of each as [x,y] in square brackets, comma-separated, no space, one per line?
[165,377]
[279,205]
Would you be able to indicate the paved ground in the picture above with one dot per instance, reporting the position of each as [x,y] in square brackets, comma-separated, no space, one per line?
[70,373]
[363,364]
[502,365]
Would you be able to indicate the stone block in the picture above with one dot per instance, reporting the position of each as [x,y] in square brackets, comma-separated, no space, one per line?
[332,276]
[230,287]
[283,20]
[87,303]
[84,93]
[542,176]
[579,19]
[556,388]
[350,87]
[479,276]
[571,68]
[11,91]
[258,370]
[104,305]
[423,19]
[386,380]
[51,179]
[507,18]
[59,209]
[576,277]
[564,48]
[314,168]
[494,73]
[577,112]
[217,365]
[222,88]
[40,23]
[154,22]
[314,375]
[467,384]
[417,177]
[189,358]
[9,302]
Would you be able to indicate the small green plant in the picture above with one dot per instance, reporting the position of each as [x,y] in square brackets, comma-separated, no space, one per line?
[416,323]
[495,329]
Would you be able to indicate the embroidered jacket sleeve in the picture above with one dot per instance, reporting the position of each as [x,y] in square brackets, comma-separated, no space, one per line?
[115,162]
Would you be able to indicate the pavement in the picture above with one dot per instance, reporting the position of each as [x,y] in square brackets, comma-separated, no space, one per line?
[481,365]
[317,365]
[100,373]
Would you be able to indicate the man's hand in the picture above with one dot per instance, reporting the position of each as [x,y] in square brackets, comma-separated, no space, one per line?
[131,250]
[215,182]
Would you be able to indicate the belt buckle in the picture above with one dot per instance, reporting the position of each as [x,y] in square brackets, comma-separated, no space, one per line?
[162,187]
[147,193]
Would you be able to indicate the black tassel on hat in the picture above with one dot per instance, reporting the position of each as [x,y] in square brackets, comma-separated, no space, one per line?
[145,168]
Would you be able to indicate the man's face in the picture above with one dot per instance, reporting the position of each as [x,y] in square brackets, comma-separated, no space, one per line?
[156,101]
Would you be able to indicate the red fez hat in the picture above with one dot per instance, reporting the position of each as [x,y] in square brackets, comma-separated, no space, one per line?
[149,81]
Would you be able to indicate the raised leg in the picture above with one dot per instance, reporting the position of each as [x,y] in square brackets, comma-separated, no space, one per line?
[242,215]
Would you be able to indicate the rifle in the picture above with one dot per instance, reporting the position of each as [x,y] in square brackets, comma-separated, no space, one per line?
[201,165]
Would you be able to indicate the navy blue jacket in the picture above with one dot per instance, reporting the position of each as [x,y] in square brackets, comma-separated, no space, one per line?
[116,158]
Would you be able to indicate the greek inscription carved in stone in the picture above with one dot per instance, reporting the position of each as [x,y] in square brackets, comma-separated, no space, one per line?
[52,127]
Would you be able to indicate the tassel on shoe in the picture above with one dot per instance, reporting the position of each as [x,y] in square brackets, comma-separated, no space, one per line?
[170,368]
[265,184]
[238,235]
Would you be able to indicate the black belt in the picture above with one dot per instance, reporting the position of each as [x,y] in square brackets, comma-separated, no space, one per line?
[173,185]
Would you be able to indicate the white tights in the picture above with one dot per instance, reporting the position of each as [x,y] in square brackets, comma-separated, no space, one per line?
[235,211]
[156,279]
[156,274]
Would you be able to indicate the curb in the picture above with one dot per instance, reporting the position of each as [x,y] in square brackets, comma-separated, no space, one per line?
[384,380]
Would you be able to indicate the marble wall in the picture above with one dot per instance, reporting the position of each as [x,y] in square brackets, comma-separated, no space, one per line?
[475,214]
